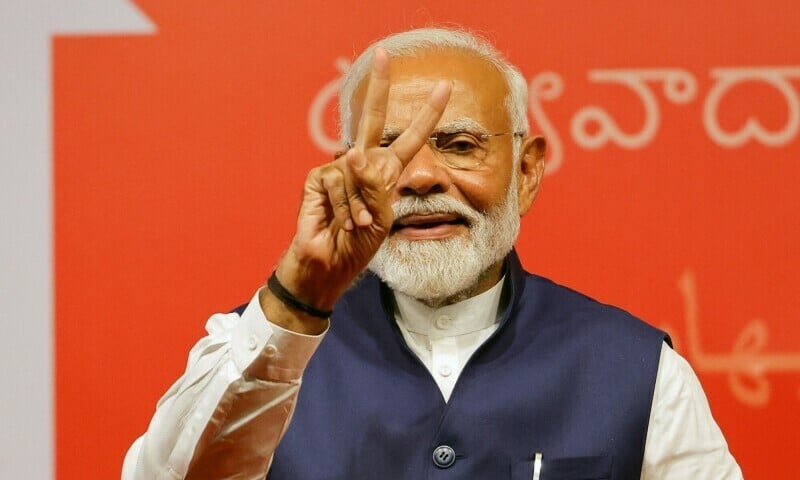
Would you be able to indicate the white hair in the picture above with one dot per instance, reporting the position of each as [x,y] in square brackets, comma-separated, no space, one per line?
[441,272]
[411,43]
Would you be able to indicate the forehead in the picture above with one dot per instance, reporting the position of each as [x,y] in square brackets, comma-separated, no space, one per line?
[479,89]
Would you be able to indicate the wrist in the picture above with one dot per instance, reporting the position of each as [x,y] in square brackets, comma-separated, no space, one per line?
[289,318]
[307,284]
[290,300]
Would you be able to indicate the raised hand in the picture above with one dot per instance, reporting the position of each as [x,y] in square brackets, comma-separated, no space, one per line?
[346,209]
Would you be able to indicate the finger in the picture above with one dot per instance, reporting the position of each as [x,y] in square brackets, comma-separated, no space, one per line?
[423,123]
[373,114]
[333,184]
[359,211]
[373,191]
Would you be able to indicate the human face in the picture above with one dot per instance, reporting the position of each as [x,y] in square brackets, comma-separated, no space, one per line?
[477,98]
[432,251]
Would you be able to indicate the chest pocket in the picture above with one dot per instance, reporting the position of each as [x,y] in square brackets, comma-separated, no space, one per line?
[566,468]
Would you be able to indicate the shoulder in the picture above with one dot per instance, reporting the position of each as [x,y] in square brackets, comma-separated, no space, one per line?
[556,304]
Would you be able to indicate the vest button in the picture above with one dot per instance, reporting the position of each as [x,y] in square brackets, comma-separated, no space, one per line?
[444,456]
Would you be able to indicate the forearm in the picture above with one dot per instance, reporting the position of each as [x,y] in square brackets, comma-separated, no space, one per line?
[227,413]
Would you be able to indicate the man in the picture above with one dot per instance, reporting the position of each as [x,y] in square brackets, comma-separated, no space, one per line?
[448,360]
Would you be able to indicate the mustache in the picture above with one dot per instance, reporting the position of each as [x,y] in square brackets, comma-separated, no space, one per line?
[434,203]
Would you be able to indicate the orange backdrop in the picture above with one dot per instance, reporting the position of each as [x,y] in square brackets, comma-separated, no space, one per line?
[671,187]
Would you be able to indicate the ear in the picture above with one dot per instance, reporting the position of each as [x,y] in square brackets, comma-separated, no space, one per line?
[530,171]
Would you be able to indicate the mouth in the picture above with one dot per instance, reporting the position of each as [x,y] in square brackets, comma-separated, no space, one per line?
[429,225]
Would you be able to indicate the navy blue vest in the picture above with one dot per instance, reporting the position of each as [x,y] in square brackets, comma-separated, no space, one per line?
[563,375]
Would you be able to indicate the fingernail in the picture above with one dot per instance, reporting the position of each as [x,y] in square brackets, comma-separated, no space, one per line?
[364,218]
[348,224]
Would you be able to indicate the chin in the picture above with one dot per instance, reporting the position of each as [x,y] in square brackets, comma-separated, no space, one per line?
[431,270]
[451,268]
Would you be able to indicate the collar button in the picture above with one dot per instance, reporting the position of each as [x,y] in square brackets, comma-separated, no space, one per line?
[443,322]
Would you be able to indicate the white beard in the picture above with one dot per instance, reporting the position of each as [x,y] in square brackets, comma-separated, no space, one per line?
[443,271]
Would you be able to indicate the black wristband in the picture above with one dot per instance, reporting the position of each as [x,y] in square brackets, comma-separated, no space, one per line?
[287,298]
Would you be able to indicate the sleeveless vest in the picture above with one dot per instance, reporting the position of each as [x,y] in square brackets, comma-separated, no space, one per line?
[563,376]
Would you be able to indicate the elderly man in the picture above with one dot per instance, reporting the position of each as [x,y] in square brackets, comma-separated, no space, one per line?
[446,360]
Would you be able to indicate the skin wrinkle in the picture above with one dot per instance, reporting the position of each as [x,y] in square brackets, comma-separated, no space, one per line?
[419,43]
[464,124]
[444,272]
[469,260]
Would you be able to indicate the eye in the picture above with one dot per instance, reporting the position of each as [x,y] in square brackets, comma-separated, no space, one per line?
[459,142]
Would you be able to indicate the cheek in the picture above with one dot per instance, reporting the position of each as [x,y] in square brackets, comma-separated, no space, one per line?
[481,190]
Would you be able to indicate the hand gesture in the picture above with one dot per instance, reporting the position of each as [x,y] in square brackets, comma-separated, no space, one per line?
[346,209]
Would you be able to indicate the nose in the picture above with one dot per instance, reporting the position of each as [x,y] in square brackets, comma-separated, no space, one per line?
[423,175]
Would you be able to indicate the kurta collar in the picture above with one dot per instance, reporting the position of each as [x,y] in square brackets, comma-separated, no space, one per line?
[470,315]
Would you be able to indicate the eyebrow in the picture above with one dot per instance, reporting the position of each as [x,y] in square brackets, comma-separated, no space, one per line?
[464,124]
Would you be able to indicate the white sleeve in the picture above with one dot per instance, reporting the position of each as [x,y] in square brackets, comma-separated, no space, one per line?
[683,440]
[225,415]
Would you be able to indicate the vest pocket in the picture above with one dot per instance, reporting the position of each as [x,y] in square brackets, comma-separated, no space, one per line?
[566,468]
